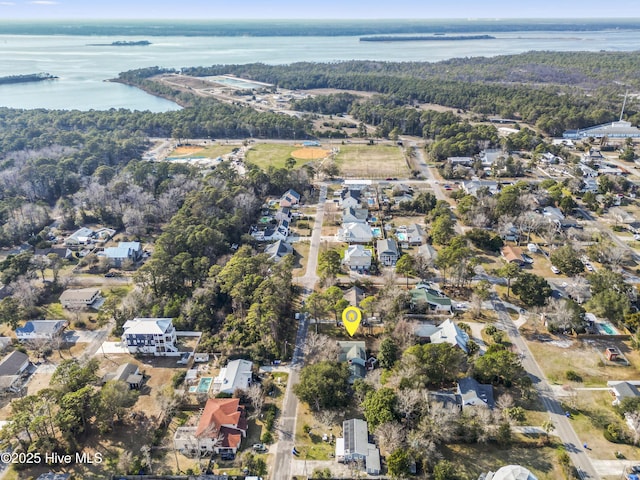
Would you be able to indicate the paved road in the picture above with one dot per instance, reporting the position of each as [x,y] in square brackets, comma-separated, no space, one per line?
[287,423]
[427,173]
[563,427]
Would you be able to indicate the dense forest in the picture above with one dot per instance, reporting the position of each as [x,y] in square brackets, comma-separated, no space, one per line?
[553,90]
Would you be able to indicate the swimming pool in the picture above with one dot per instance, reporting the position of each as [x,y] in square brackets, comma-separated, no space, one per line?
[402,236]
[204,385]
[608,328]
[377,232]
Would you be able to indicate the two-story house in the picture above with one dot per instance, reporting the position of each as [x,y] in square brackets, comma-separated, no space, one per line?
[151,336]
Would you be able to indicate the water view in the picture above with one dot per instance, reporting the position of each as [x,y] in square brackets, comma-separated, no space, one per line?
[83,65]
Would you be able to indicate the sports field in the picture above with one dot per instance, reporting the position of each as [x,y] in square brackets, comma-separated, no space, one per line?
[198,151]
[371,161]
[275,155]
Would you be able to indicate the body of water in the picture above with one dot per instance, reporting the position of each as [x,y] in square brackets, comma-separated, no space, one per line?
[83,68]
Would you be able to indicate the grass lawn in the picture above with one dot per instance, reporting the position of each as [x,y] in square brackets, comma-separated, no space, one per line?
[582,357]
[371,161]
[472,460]
[310,445]
[595,412]
[301,254]
[266,155]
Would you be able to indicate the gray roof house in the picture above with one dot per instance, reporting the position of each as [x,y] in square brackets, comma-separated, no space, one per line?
[621,390]
[387,251]
[12,367]
[354,296]
[357,215]
[472,187]
[354,353]
[356,257]
[415,234]
[128,373]
[354,446]
[277,251]
[355,233]
[474,393]
[41,329]
[427,252]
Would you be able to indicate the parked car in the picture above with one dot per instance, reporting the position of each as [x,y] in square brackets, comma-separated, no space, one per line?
[259,447]
[555,269]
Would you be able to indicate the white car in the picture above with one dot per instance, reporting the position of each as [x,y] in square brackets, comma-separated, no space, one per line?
[555,269]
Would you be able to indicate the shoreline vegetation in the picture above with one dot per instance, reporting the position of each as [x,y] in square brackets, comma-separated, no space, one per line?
[30,77]
[121,43]
[303,28]
[423,38]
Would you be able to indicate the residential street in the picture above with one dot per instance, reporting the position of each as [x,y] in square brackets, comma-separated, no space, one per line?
[287,423]
[563,427]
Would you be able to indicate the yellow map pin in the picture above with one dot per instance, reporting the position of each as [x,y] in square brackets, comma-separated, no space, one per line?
[351,317]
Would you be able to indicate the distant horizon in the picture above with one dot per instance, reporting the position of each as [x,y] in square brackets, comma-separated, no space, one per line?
[39,10]
[327,19]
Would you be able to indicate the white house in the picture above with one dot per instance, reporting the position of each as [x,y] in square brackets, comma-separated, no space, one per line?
[80,298]
[82,236]
[125,251]
[236,375]
[355,233]
[41,329]
[152,336]
[356,257]
[449,332]
[473,186]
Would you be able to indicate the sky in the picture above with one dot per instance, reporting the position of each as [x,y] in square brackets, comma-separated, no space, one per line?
[319,9]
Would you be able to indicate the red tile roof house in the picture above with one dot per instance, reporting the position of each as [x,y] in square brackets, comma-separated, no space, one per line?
[221,428]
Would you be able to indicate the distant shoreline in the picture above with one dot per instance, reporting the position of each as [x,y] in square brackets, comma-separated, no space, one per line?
[30,77]
[120,43]
[307,28]
[424,38]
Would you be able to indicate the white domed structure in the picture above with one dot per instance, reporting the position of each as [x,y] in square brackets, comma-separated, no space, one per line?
[513,472]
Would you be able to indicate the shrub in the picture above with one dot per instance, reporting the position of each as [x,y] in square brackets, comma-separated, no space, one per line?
[79,324]
[178,378]
[267,437]
[573,376]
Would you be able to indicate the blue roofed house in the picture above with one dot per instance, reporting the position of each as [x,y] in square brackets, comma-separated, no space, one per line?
[125,251]
[41,329]
[154,336]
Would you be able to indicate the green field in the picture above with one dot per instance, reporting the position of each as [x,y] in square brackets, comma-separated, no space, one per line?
[265,155]
[371,161]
